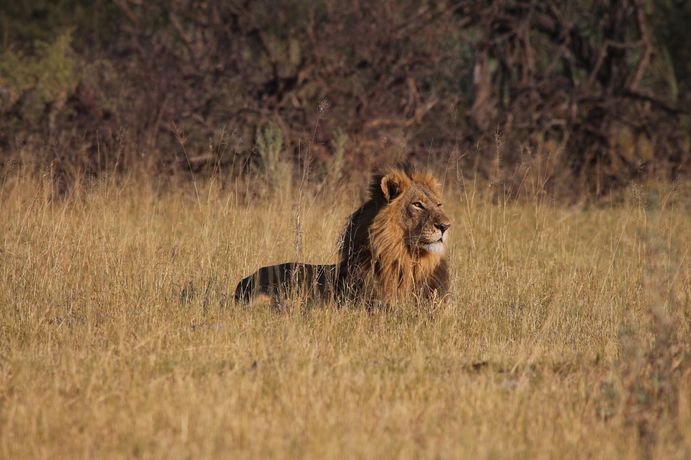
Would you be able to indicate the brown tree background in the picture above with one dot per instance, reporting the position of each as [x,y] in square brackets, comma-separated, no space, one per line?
[579,96]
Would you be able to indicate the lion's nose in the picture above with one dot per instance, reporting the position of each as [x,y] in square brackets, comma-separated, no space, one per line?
[443,226]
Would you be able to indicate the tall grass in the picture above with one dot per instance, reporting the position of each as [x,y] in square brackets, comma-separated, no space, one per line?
[566,334]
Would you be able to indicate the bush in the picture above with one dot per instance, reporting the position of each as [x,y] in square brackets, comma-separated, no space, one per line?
[428,81]
[39,84]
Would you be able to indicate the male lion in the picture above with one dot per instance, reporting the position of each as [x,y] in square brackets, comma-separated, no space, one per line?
[392,249]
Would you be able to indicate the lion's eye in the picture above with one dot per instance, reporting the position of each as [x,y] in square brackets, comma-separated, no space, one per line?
[439,205]
[418,205]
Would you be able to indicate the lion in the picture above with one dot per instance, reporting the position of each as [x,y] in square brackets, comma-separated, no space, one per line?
[391,251]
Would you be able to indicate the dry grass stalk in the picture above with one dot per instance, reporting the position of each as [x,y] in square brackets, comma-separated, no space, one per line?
[118,338]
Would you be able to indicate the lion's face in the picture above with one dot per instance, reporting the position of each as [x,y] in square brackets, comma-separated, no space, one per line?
[416,204]
[425,222]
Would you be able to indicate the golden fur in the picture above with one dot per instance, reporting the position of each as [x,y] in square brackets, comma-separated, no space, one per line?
[388,250]
[392,249]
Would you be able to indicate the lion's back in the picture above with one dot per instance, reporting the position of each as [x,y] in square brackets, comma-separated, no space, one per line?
[291,278]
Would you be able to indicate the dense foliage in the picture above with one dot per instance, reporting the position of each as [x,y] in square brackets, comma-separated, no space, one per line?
[591,94]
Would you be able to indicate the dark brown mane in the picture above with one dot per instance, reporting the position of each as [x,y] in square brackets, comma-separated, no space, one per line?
[372,255]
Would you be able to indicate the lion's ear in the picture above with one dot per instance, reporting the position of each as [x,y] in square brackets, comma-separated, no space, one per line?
[392,185]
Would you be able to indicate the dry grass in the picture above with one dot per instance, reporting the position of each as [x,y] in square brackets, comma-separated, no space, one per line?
[566,335]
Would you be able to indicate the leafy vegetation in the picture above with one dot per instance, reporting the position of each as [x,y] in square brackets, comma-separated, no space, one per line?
[598,88]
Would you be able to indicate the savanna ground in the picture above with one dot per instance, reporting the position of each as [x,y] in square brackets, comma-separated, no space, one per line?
[566,333]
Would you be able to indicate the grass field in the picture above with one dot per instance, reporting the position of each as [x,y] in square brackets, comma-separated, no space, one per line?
[566,335]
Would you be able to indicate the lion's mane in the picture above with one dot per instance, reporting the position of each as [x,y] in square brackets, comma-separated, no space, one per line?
[375,261]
